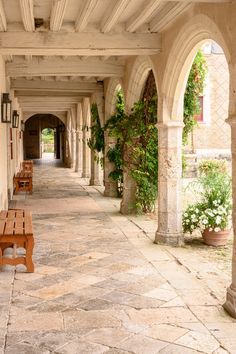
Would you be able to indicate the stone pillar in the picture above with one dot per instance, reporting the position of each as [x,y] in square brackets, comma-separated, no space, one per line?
[95,173]
[86,136]
[68,159]
[127,205]
[73,147]
[79,140]
[230,304]
[170,184]
[96,167]
[110,185]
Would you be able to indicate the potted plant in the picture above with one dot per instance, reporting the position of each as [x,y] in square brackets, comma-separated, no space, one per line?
[212,213]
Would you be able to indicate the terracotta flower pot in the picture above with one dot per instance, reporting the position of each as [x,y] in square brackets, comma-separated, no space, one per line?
[212,238]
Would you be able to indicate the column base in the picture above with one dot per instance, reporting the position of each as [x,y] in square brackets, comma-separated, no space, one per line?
[110,193]
[79,172]
[230,304]
[94,182]
[127,209]
[110,189]
[85,175]
[171,239]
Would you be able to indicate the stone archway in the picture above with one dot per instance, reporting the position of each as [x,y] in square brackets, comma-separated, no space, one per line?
[113,86]
[176,64]
[192,35]
[136,78]
[32,135]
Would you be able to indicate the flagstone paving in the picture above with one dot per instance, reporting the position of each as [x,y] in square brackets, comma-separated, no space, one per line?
[101,285]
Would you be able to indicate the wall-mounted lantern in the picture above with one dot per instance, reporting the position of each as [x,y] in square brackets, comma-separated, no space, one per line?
[15,119]
[22,126]
[6,108]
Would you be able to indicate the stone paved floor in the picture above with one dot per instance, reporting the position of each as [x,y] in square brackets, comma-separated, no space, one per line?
[101,285]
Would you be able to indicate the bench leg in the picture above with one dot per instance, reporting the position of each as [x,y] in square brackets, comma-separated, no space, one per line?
[28,256]
[30,186]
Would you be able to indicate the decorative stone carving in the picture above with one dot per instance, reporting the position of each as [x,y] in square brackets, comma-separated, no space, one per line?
[169,184]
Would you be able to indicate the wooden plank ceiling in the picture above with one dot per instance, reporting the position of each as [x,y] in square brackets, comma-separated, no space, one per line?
[68,47]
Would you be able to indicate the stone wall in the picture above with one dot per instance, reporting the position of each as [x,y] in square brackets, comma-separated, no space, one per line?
[4,146]
[212,137]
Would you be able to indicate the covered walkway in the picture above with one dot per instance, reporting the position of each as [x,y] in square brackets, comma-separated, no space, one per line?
[101,285]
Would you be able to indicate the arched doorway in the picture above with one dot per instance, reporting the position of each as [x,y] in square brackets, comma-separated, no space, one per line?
[41,128]
[48,143]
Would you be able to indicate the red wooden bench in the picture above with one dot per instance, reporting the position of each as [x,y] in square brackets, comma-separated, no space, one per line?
[27,166]
[23,182]
[16,231]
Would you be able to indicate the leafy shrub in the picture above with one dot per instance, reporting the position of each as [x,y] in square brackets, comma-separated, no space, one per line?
[213,165]
[213,212]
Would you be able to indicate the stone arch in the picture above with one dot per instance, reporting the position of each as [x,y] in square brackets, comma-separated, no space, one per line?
[27,116]
[198,30]
[137,78]
[34,125]
[110,100]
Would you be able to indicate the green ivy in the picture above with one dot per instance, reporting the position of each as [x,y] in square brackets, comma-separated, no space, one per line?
[194,89]
[97,141]
[137,145]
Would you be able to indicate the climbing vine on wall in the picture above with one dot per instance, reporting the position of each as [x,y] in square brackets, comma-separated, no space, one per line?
[137,144]
[96,141]
[115,153]
[194,88]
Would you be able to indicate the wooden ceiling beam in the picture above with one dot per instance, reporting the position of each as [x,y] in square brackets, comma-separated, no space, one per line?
[168,13]
[56,86]
[35,110]
[141,17]
[57,14]
[27,14]
[114,15]
[3,21]
[83,17]
[48,99]
[91,44]
[59,67]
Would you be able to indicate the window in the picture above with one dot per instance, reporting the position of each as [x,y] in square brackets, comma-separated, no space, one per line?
[199,117]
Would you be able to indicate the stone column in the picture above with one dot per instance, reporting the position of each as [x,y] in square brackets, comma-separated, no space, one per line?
[110,185]
[79,140]
[86,136]
[96,167]
[127,205]
[230,304]
[68,159]
[170,184]
[95,173]
[73,147]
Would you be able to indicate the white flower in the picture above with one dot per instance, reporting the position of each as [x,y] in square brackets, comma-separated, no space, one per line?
[217,229]
[187,221]
[193,216]
[215,202]
[218,220]
[185,214]
[192,227]
[196,210]
[210,229]
[204,221]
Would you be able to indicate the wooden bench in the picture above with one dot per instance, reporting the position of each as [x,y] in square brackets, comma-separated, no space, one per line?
[16,231]
[23,182]
[27,166]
